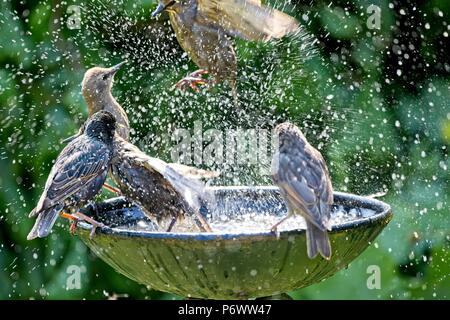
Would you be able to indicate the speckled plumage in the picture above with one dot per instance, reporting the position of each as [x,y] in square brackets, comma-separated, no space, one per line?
[155,186]
[161,189]
[77,175]
[302,175]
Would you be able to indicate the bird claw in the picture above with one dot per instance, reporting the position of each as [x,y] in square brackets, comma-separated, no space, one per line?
[94,228]
[76,217]
[73,227]
[74,221]
[192,80]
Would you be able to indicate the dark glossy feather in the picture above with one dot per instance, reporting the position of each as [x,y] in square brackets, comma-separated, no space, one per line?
[77,175]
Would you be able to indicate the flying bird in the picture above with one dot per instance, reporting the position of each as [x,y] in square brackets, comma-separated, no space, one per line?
[302,175]
[77,175]
[205,30]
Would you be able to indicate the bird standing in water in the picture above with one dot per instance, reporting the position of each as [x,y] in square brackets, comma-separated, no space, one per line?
[302,175]
[77,175]
[205,28]
[162,190]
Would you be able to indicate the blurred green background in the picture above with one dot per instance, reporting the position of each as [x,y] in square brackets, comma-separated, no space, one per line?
[376,102]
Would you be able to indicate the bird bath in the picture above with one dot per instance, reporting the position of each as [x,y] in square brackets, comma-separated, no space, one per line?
[232,265]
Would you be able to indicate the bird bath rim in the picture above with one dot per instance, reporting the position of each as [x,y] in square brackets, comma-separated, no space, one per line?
[381,210]
[235,265]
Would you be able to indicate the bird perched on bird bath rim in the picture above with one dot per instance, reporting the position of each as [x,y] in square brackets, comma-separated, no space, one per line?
[302,175]
[77,175]
[161,189]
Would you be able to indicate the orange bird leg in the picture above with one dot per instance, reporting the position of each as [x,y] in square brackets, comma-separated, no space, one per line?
[68,216]
[110,188]
[95,224]
[192,80]
[73,219]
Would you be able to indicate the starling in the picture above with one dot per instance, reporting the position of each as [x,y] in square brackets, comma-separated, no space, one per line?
[96,90]
[77,175]
[157,187]
[302,175]
[205,28]
[161,189]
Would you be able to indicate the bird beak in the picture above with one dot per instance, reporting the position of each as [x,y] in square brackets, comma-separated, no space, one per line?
[70,139]
[161,7]
[76,135]
[117,67]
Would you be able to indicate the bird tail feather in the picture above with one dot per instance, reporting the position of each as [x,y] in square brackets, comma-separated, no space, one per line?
[44,223]
[317,241]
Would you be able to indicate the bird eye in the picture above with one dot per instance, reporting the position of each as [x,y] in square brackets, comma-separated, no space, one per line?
[105,77]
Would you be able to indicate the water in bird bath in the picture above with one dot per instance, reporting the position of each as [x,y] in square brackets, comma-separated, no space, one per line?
[253,222]
[256,222]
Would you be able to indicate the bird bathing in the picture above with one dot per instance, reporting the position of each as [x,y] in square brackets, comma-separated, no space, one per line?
[241,259]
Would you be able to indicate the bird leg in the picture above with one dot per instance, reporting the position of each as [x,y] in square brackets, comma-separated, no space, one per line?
[88,219]
[202,223]
[81,217]
[192,80]
[111,188]
[275,226]
[73,219]
[172,223]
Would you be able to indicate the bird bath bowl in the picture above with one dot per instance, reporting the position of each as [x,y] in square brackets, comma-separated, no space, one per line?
[231,265]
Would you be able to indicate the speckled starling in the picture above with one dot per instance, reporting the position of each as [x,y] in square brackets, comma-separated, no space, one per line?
[161,189]
[302,175]
[77,175]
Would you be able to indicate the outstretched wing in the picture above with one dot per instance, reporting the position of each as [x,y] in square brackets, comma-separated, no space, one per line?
[247,19]
[303,177]
[173,176]
[191,189]
[79,163]
[193,172]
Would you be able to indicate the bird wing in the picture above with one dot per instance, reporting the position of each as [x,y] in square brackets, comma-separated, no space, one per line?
[304,179]
[193,172]
[191,189]
[78,164]
[247,19]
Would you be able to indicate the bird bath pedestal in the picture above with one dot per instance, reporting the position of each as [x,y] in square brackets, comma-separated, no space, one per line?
[231,265]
